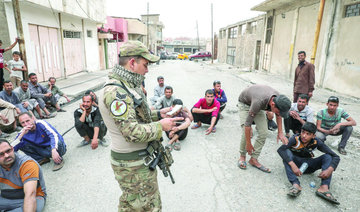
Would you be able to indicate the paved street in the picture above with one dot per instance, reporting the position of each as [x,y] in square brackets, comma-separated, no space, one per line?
[205,171]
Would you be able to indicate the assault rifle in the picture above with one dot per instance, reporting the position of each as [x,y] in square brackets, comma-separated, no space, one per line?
[161,157]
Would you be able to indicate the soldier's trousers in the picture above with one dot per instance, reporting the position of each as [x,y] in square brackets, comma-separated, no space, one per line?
[139,186]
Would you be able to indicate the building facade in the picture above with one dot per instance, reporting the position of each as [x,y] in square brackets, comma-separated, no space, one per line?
[113,33]
[290,27]
[154,32]
[60,35]
[240,44]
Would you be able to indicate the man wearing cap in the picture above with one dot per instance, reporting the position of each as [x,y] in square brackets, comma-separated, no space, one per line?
[329,123]
[129,120]
[253,102]
[299,159]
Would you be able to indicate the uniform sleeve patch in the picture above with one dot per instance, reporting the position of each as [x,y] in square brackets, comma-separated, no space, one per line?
[118,107]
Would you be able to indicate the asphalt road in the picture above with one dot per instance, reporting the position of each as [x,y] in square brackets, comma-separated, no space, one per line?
[205,171]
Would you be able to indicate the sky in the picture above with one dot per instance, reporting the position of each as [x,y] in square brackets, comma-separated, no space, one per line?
[179,16]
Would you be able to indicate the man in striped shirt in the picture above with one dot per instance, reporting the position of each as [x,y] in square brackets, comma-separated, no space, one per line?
[329,123]
[40,140]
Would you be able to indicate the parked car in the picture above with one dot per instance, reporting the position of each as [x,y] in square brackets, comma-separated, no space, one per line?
[168,56]
[183,56]
[173,55]
[200,55]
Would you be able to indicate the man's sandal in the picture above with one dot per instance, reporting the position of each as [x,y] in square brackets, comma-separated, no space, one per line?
[294,192]
[195,126]
[242,164]
[177,146]
[329,198]
[263,168]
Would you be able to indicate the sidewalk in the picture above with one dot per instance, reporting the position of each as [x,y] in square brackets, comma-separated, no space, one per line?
[285,86]
[75,85]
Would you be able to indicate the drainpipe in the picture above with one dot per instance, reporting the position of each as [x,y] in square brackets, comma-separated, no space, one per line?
[106,54]
[62,44]
[317,31]
[84,44]
[20,33]
[328,43]
[293,38]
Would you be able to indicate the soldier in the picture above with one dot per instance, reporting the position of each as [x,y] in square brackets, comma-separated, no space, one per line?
[129,119]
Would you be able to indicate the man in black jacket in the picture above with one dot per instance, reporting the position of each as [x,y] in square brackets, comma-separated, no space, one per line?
[89,123]
[298,153]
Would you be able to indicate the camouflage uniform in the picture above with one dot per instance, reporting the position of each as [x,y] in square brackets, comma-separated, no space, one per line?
[131,129]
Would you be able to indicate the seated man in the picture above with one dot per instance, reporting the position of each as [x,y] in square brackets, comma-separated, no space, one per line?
[297,154]
[23,92]
[179,132]
[8,114]
[42,95]
[89,123]
[299,113]
[40,140]
[165,100]
[23,185]
[56,92]
[8,95]
[329,123]
[219,95]
[158,90]
[206,110]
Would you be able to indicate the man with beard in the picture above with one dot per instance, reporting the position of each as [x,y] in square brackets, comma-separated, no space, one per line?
[166,100]
[40,140]
[159,90]
[299,113]
[89,124]
[42,95]
[22,182]
[304,77]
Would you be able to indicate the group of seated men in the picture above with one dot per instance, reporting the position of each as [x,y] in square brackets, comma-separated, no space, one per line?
[207,110]
[29,96]
[40,141]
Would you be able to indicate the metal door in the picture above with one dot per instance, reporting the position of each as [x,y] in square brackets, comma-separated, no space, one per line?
[73,52]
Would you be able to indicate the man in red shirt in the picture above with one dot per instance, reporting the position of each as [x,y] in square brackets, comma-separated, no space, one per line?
[2,51]
[206,111]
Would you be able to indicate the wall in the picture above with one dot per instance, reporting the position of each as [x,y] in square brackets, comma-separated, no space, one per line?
[91,46]
[343,68]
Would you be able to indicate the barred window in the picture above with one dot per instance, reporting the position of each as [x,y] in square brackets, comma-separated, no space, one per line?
[352,10]
[89,33]
[71,34]
[233,32]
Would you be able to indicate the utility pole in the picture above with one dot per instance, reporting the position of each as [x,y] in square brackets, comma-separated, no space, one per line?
[20,33]
[212,36]
[197,30]
[147,27]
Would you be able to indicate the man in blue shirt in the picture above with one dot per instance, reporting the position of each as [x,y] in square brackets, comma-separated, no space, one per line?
[219,95]
[41,141]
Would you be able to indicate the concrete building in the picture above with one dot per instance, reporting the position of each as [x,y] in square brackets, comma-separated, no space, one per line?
[290,27]
[60,35]
[113,33]
[182,48]
[154,32]
[241,43]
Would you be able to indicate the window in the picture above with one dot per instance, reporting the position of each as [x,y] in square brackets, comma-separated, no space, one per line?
[243,29]
[269,29]
[71,34]
[233,32]
[252,27]
[89,33]
[352,10]
[230,55]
